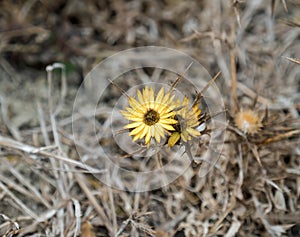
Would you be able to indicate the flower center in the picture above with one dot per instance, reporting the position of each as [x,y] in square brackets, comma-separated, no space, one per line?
[151,117]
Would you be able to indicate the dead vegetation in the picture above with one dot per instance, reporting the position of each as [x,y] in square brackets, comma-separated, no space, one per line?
[46,189]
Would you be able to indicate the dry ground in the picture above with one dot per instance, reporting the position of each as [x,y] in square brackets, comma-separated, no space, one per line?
[46,190]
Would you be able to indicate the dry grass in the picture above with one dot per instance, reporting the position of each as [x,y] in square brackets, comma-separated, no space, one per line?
[47,190]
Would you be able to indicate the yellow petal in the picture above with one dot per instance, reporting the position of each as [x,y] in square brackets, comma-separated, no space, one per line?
[133,113]
[145,131]
[140,97]
[155,134]
[193,132]
[151,98]
[193,123]
[130,116]
[160,130]
[135,105]
[168,121]
[133,125]
[146,97]
[125,113]
[136,137]
[167,115]
[161,108]
[152,130]
[173,139]
[160,96]
[167,127]
[137,130]
[165,108]
[148,137]
[184,136]
[166,98]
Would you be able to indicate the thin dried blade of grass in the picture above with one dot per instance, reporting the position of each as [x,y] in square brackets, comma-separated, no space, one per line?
[42,123]
[295,60]
[15,186]
[23,207]
[292,23]
[232,54]
[61,178]
[77,216]
[273,3]
[280,137]
[234,227]
[229,208]
[14,227]
[25,182]
[179,78]
[4,112]
[112,204]
[122,227]
[81,182]
[33,152]
[252,94]
[284,5]
[236,4]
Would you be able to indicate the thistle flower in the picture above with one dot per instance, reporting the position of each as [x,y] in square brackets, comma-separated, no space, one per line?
[151,116]
[187,120]
[248,121]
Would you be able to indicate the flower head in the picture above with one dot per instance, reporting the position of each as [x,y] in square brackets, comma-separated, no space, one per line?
[187,120]
[151,116]
[248,121]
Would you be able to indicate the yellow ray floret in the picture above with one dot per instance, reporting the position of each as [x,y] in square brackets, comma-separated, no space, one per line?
[187,121]
[150,116]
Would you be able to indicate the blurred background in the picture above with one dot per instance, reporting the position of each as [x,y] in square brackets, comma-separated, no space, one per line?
[248,41]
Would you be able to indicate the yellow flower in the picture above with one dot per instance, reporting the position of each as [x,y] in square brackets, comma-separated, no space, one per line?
[187,121]
[151,117]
